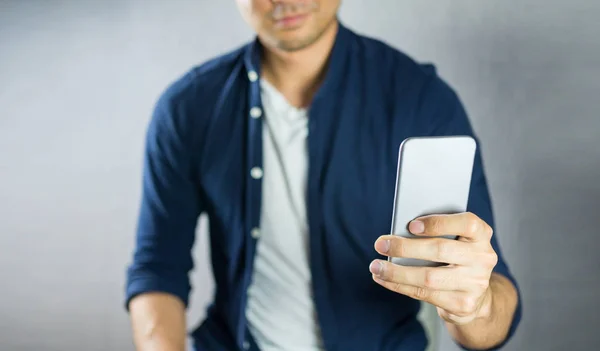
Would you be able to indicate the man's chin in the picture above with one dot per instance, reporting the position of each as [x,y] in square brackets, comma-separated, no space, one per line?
[293,45]
[294,41]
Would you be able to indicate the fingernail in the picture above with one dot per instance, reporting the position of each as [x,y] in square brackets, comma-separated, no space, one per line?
[376,267]
[416,227]
[382,246]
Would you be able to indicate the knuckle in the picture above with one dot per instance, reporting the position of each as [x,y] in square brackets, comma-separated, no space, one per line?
[489,258]
[421,293]
[472,223]
[493,257]
[467,304]
[471,216]
[443,250]
[482,284]
[430,279]
[436,225]
[400,247]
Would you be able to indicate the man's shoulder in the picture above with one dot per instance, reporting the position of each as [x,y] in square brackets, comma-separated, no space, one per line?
[402,74]
[390,60]
[185,105]
[412,86]
[205,81]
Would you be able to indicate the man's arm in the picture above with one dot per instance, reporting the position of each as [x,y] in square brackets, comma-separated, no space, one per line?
[476,293]
[158,284]
[158,322]
[496,315]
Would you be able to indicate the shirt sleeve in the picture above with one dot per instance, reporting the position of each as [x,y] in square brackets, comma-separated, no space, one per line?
[169,209]
[450,118]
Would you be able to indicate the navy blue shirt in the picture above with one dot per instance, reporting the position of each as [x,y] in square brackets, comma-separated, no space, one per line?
[203,141]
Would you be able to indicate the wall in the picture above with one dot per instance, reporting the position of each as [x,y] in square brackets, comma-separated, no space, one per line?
[78,80]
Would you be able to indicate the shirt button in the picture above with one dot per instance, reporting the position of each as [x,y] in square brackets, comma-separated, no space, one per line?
[253,76]
[255,233]
[255,112]
[256,173]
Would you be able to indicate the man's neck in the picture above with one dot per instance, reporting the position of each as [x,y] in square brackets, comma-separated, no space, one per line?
[298,74]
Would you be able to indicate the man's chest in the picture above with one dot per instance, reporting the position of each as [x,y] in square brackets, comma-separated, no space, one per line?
[346,175]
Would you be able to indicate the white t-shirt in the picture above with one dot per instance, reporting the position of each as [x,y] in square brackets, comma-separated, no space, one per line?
[281,312]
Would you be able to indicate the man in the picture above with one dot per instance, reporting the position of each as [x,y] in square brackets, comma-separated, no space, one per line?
[289,144]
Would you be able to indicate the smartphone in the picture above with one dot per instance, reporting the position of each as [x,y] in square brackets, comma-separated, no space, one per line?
[433,177]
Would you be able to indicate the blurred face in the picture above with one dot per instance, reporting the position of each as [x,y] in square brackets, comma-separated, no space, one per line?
[289,25]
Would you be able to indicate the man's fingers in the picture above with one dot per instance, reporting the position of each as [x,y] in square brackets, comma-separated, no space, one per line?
[430,278]
[430,249]
[466,225]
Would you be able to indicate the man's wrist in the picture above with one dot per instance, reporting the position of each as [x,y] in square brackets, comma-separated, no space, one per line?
[492,324]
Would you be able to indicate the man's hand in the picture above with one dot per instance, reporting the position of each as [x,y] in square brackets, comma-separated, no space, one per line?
[460,290]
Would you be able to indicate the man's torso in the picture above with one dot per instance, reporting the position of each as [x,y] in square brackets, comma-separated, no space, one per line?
[373,98]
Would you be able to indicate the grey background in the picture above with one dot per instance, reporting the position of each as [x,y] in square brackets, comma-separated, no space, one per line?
[78,80]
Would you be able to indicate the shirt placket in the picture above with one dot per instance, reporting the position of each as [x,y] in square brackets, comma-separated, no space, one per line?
[254,175]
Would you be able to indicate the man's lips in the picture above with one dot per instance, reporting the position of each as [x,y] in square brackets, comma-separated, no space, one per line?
[291,21]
